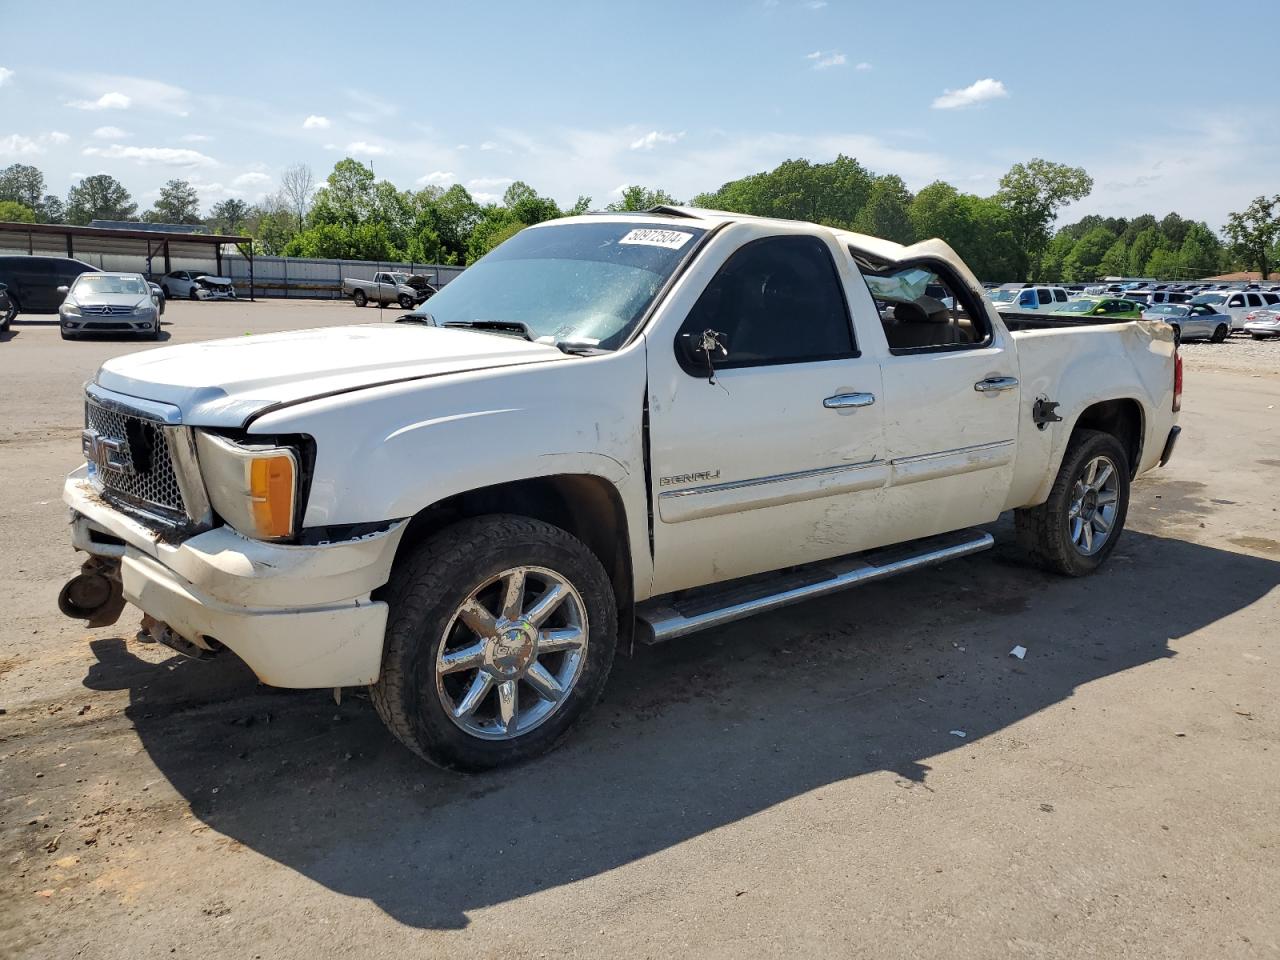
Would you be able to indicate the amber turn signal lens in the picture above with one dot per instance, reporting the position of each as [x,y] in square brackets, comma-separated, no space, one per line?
[271,486]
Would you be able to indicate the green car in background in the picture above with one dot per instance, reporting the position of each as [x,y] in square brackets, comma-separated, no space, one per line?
[1111,307]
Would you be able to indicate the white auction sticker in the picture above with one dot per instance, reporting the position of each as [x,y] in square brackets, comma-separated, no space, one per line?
[672,239]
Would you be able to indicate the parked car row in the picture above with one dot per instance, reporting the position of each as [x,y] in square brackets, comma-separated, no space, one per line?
[39,284]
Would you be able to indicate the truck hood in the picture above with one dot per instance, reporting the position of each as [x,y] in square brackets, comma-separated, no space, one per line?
[223,383]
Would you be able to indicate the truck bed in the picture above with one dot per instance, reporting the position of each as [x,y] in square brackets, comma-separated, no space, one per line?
[1035,320]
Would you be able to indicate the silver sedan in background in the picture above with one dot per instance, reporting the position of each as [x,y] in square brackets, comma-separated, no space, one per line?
[100,302]
[1191,321]
[1262,324]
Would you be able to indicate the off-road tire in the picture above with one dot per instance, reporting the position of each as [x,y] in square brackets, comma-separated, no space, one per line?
[424,592]
[359,298]
[1045,531]
[1220,333]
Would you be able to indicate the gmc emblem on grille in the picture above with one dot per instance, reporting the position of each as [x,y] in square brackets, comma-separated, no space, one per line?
[106,453]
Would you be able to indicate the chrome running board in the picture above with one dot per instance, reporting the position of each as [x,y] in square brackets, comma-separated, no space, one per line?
[677,615]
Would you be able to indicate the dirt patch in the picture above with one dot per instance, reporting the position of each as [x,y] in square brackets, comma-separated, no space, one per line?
[1261,544]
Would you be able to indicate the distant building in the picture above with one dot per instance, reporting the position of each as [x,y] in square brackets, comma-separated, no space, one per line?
[1243,275]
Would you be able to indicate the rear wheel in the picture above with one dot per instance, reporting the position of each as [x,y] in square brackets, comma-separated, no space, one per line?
[1220,333]
[1258,336]
[360,298]
[500,637]
[1076,528]
[10,312]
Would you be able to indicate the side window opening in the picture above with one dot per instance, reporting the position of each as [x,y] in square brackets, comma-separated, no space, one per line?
[922,307]
[1060,296]
[776,300]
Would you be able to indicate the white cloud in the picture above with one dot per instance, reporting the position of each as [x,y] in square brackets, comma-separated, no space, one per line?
[493,145]
[653,138]
[127,92]
[363,149]
[251,179]
[109,133]
[316,122]
[977,92]
[864,67]
[17,145]
[435,176]
[822,60]
[482,182]
[815,4]
[479,197]
[196,138]
[5,75]
[146,156]
[113,100]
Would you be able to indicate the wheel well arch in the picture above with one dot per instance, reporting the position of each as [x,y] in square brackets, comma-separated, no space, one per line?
[1123,419]
[583,505]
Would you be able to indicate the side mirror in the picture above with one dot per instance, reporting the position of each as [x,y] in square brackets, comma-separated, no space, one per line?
[699,351]
[64,289]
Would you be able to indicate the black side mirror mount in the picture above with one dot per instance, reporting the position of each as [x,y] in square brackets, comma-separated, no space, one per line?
[701,350]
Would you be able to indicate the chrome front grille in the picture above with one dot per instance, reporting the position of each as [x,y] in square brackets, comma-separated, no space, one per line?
[140,468]
[105,310]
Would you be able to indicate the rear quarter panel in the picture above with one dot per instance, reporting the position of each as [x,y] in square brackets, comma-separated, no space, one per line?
[1078,367]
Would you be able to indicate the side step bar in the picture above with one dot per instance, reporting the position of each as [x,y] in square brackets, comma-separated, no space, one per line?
[665,618]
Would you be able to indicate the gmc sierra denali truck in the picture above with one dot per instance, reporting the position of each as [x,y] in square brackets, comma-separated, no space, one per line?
[613,428]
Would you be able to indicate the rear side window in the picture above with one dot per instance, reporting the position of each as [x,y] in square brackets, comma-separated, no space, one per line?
[925,308]
[1253,300]
[1271,297]
[1046,297]
[777,300]
[1060,296]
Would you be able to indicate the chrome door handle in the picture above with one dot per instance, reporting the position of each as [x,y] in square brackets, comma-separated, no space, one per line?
[843,400]
[995,384]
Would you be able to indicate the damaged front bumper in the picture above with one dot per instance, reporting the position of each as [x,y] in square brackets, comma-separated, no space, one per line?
[299,616]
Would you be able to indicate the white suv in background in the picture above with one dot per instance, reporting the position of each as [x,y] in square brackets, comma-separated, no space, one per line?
[1030,298]
[1237,303]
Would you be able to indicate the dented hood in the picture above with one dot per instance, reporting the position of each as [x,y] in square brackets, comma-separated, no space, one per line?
[223,383]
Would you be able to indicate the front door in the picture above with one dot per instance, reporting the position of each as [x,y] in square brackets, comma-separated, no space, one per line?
[774,456]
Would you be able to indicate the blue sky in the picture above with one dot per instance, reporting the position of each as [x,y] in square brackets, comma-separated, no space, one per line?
[1158,101]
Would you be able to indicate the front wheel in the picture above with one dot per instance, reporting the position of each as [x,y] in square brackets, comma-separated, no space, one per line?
[500,637]
[406,302]
[1076,528]
[1220,333]
[192,294]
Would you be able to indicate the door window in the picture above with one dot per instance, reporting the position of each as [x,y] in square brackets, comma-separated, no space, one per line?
[1236,301]
[777,300]
[1060,296]
[924,307]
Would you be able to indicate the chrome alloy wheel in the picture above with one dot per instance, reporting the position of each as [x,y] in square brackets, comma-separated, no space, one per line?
[1095,497]
[512,653]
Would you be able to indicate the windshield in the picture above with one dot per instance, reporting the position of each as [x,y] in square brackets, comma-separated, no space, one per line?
[1078,306]
[399,277]
[90,283]
[1214,298]
[1002,296]
[1168,310]
[578,282]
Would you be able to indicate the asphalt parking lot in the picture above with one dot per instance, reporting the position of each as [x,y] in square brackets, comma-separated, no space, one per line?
[796,785]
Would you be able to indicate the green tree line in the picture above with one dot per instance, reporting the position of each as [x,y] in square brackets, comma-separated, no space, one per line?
[1010,235]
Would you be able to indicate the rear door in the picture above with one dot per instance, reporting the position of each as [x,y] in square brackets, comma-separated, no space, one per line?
[952,417]
[772,456]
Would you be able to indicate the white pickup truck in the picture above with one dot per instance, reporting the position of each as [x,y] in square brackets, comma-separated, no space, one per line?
[387,287]
[612,428]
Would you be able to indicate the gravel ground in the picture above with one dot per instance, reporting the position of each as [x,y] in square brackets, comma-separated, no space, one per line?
[793,785]
[1238,354]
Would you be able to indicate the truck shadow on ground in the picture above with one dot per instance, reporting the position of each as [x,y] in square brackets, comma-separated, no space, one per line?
[689,737]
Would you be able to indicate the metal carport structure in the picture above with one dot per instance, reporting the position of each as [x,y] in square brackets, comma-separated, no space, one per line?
[65,240]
